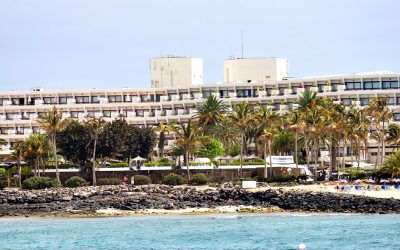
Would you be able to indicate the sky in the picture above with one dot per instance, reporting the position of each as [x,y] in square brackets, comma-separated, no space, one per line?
[77,44]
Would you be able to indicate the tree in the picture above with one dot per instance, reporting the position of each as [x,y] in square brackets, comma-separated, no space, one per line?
[242,118]
[95,127]
[211,149]
[392,165]
[36,145]
[381,114]
[18,154]
[52,122]
[210,113]
[73,143]
[394,135]
[227,133]
[2,142]
[162,129]
[140,141]
[266,137]
[113,139]
[188,137]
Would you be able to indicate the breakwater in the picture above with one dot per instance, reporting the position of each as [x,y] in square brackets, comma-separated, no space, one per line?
[87,200]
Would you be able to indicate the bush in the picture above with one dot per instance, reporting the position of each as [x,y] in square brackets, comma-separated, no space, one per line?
[173,179]
[119,165]
[282,178]
[75,181]
[109,181]
[40,182]
[142,180]
[62,166]
[2,185]
[158,163]
[199,179]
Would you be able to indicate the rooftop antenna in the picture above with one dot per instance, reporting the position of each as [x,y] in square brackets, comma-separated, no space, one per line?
[242,43]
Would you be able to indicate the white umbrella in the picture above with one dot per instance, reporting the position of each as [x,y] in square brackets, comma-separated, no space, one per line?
[251,157]
[357,181]
[236,157]
[4,164]
[138,158]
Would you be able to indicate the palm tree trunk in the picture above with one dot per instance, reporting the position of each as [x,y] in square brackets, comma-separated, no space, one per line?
[316,155]
[383,142]
[377,155]
[296,155]
[35,172]
[187,165]
[94,163]
[344,151]
[265,161]
[241,156]
[307,149]
[55,157]
[19,174]
[270,156]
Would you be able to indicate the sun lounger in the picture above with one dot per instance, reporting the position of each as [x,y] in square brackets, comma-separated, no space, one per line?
[347,188]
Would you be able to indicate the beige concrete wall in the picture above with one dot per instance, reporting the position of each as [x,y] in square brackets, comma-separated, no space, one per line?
[255,69]
[176,71]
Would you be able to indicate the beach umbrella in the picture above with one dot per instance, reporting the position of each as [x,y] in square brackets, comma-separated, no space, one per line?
[343,181]
[370,181]
[357,181]
[2,164]
[236,157]
[251,157]
[383,181]
[138,158]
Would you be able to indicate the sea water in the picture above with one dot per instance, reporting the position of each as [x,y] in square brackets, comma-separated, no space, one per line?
[225,231]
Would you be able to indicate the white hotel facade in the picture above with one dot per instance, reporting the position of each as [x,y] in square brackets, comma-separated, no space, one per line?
[150,106]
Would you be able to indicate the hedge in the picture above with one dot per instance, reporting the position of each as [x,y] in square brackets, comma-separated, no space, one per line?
[199,179]
[119,165]
[141,180]
[109,181]
[40,182]
[75,181]
[282,178]
[173,179]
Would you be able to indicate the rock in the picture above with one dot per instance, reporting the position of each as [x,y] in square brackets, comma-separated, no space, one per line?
[66,198]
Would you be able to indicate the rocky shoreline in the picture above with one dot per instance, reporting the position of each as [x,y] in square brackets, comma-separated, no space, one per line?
[88,201]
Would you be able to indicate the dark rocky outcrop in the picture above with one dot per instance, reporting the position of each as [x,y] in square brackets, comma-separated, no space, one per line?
[135,198]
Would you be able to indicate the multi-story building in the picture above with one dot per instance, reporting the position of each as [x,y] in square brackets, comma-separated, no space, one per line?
[260,70]
[150,106]
[173,71]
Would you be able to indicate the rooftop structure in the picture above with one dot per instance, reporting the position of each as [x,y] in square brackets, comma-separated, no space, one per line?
[175,71]
[255,69]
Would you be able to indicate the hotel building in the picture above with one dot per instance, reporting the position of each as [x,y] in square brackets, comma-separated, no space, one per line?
[150,106]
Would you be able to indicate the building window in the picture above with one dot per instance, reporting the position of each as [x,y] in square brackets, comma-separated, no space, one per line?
[372,85]
[347,101]
[364,101]
[396,116]
[391,101]
[107,113]
[390,84]
[114,98]
[74,114]
[95,99]
[294,90]
[82,99]
[320,88]
[353,85]
[334,87]
[15,101]
[62,100]
[49,100]
[244,93]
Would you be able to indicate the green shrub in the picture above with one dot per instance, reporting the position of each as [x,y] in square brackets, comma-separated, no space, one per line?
[40,182]
[2,171]
[119,165]
[161,162]
[109,181]
[173,179]
[282,178]
[142,180]
[199,179]
[75,181]
[2,185]
[62,166]
[26,171]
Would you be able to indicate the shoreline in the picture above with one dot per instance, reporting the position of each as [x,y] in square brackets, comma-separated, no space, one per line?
[110,201]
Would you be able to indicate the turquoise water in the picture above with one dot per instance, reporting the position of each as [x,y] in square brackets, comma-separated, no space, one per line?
[254,231]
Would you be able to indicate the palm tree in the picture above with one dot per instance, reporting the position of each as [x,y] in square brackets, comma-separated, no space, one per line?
[297,126]
[266,137]
[381,113]
[95,127]
[226,133]
[242,118]
[392,164]
[394,135]
[53,123]
[36,145]
[2,142]
[188,137]
[18,154]
[210,113]
[162,128]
